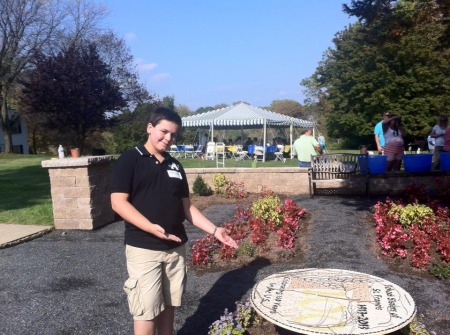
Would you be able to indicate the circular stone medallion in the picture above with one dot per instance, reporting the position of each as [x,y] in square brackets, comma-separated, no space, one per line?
[332,301]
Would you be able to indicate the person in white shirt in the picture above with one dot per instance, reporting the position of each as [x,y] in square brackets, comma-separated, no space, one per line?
[431,143]
[437,133]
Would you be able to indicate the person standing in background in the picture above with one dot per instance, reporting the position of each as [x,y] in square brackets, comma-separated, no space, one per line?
[438,133]
[394,145]
[379,133]
[305,146]
[203,142]
[431,144]
[321,140]
[447,140]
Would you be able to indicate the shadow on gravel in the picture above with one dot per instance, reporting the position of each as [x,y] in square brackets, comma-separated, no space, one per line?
[228,289]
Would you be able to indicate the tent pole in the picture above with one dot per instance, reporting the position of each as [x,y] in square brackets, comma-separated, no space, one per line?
[265,140]
[291,130]
[242,136]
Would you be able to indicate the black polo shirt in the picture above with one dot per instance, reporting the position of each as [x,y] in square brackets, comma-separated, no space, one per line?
[156,190]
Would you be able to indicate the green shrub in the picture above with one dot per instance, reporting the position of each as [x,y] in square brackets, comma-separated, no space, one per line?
[442,271]
[246,249]
[220,181]
[200,187]
[268,208]
[411,213]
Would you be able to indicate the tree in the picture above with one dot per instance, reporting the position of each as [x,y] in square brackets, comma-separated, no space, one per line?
[129,128]
[287,107]
[26,26]
[30,27]
[82,92]
[392,59]
[117,55]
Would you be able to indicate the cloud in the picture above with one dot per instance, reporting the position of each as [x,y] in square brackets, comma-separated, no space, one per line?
[160,77]
[143,67]
[147,67]
[130,36]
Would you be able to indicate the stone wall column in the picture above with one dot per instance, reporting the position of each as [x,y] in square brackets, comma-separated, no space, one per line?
[80,191]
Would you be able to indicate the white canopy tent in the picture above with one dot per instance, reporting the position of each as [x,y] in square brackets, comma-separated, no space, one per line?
[244,116]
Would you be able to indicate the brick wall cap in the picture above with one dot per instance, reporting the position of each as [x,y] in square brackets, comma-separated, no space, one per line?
[76,162]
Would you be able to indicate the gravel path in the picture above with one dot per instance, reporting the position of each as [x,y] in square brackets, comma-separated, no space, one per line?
[70,282]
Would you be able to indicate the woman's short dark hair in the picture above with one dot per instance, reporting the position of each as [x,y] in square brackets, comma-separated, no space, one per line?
[163,113]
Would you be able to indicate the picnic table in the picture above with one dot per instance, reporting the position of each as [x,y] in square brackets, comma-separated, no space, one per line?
[332,301]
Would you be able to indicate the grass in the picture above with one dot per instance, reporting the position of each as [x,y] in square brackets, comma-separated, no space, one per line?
[25,185]
[25,190]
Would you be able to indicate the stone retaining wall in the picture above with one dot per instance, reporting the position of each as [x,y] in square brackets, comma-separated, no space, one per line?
[280,180]
[80,191]
[81,198]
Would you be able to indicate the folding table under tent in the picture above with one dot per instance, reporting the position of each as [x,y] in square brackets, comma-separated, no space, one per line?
[245,116]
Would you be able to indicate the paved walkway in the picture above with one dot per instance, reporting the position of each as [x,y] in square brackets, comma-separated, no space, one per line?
[12,234]
[70,282]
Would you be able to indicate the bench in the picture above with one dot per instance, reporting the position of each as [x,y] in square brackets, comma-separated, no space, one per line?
[327,169]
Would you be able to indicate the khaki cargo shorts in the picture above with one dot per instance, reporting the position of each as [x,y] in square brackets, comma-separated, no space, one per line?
[156,279]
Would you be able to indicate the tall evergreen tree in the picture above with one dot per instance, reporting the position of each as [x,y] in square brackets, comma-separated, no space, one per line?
[392,58]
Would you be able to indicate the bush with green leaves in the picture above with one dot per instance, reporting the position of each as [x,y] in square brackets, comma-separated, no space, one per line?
[412,213]
[269,209]
[200,187]
[220,181]
[228,188]
[246,249]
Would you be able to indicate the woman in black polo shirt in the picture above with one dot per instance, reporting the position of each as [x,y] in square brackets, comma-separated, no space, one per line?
[150,192]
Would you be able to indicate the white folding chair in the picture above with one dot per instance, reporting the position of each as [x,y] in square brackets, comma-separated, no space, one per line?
[210,150]
[174,152]
[279,154]
[259,153]
[189,151]
[198,153]
[240,154]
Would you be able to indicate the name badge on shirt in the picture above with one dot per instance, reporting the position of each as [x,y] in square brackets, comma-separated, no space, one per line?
[174,174]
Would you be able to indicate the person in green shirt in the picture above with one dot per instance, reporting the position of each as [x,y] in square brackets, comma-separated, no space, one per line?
[305,146]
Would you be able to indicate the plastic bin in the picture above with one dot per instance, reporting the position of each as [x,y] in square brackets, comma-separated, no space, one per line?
[445,161]
[417,162]
[376,164]
[362,162]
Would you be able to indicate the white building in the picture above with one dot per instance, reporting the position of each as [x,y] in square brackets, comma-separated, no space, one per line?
[19,136]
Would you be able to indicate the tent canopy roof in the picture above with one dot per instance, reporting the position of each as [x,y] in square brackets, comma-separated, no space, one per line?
[242,115]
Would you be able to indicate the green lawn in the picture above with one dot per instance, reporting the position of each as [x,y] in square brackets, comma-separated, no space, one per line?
[25,185]
[25,190]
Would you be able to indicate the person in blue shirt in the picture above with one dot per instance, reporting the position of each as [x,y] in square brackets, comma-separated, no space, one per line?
[321,140]
[379,133]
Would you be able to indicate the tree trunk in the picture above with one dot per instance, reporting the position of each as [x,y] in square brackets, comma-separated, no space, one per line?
[6,124]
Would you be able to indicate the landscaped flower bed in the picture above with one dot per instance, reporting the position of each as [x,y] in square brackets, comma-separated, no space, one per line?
[416,229]
[268,224]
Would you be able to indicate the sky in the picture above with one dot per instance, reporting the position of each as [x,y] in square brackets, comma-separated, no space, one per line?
[208,52]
